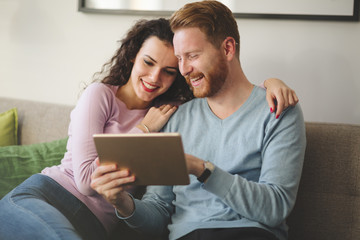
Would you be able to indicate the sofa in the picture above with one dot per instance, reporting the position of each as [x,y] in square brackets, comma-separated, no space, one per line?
[328,201]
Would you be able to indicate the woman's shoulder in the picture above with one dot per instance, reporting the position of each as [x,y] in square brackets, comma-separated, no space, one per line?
[94,86]
[98,97]
[100,89]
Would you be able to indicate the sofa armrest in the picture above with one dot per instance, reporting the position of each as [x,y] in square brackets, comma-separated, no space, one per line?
[38,121]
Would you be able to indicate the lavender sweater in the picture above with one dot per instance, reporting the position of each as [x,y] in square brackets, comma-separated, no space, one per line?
[97,111]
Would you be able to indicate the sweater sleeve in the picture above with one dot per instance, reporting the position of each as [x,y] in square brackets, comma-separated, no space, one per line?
[270,200]
[262,85]
[152,214]
[89,117]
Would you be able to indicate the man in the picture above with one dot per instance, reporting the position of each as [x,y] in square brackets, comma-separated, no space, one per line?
[245,164]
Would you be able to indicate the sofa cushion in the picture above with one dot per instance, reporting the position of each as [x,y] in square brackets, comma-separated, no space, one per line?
[328,201]
[8,127]
[19,162]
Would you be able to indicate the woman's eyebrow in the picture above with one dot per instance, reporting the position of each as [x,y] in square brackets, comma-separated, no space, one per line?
[175,68]
[151,58]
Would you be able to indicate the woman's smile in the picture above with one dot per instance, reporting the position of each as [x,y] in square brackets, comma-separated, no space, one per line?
[148,87]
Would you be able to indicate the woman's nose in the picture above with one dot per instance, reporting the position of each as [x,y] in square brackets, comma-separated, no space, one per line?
[155,75]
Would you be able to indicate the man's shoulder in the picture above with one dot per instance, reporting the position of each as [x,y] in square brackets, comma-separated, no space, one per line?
[259,93]
[258,108]
[186,111]
[194,103]
[257,101]
[295,111]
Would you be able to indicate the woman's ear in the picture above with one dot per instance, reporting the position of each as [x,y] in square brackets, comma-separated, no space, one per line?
[229,46]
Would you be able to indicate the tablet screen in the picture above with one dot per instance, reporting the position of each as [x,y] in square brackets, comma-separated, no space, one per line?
[154,158]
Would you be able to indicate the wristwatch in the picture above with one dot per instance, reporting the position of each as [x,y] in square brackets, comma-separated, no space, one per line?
[209,168]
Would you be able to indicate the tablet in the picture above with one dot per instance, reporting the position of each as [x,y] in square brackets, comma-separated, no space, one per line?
[154,158]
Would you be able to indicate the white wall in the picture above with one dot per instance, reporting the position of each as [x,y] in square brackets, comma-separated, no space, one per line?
[48,50]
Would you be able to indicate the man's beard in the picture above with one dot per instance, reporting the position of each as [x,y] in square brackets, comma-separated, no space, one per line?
[213,81]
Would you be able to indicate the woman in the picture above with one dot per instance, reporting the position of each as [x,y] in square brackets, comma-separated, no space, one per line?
[143,74]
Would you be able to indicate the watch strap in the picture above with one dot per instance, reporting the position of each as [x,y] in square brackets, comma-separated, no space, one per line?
[208,168]
[205,175]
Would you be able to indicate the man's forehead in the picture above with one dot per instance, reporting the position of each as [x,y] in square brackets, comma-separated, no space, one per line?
[188,38]
[193,31]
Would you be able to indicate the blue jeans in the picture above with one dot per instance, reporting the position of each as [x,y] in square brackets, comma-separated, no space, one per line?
[40,208]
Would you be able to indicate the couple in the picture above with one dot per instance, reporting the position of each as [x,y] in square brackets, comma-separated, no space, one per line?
[244,162]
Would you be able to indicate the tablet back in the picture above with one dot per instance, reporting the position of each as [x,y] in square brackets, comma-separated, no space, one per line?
[154,158]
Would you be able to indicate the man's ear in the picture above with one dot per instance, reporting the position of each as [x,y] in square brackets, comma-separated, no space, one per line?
[229,46]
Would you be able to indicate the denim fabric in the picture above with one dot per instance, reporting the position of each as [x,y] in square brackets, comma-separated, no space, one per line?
[246,233]
[40,208]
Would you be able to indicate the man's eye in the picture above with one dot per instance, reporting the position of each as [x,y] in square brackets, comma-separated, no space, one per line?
[192,56]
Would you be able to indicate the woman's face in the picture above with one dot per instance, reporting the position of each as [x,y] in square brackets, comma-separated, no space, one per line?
[155,69]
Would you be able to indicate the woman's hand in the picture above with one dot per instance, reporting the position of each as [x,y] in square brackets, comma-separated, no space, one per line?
[112,183]
[157,117]
[279,91]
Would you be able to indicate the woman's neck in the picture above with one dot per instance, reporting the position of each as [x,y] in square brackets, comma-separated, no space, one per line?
[128,96]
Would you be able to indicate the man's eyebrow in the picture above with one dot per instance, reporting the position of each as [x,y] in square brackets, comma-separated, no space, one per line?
[193,51]
[187,53]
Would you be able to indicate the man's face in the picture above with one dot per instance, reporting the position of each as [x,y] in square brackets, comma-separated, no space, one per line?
[203,66]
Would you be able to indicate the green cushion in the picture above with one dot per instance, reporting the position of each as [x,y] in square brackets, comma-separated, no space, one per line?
[19,162]
[8,127]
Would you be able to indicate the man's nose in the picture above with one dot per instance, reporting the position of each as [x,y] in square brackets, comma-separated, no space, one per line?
[184,67]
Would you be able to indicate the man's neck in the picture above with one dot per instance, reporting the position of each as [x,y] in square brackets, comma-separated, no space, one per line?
[232,95]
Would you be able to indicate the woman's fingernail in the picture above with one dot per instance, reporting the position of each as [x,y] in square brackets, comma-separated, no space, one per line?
[271,110]
[277,116]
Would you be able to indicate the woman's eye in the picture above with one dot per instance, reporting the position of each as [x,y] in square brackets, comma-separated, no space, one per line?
[148,63]
[171,73]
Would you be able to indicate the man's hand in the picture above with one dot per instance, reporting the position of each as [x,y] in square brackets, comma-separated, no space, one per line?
[194,165]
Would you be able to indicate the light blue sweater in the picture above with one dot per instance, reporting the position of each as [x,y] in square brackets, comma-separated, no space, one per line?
[258,163]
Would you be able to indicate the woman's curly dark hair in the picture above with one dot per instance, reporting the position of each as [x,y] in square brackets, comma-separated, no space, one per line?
[120,65]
